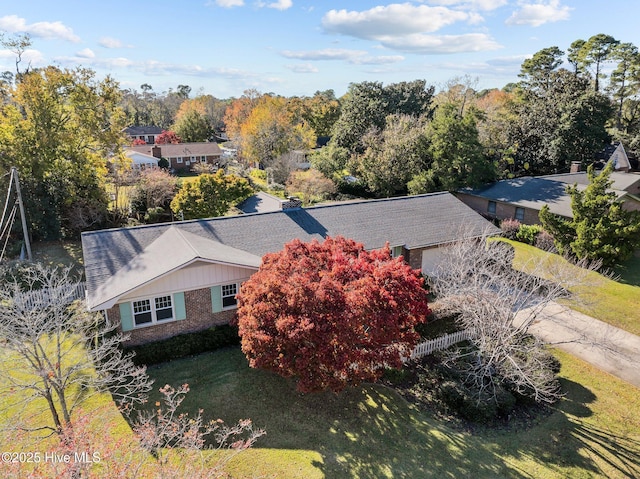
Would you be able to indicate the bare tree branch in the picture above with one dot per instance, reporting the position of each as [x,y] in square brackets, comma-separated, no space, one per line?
[56,351]
[476,282]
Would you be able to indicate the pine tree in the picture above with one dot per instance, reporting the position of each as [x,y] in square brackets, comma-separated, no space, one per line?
[600,228]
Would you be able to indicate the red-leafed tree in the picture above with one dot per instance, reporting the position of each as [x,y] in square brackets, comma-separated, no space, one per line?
[330,314]
[168,137]
[138,142]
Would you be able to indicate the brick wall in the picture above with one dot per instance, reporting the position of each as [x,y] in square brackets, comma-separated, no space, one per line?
[414,258]
[199,317]
[503,210]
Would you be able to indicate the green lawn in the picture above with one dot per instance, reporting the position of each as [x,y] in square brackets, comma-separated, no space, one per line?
[371,432]
[629,271]
[59,254]
[603,298]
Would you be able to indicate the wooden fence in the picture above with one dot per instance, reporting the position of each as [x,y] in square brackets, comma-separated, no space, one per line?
[31,299]
[440,343]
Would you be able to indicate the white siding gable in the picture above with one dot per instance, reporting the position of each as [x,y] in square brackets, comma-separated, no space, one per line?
[195,276]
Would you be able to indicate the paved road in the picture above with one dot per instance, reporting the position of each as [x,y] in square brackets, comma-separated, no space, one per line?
[609,348]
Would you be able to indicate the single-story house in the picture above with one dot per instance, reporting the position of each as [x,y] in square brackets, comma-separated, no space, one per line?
[145,133]
[165,279]
[183,156]
[523,198]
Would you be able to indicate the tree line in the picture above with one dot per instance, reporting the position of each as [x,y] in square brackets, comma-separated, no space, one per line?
[62,127]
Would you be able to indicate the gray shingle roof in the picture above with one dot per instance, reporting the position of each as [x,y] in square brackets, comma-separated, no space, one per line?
[180,149]
[172,250]
[415,221]
[261,202]
[535,192]
[143,130]
[621,181]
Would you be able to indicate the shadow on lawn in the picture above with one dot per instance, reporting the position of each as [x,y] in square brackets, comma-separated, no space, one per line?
[629,271]
[388,438]
[621,453]
[372,432]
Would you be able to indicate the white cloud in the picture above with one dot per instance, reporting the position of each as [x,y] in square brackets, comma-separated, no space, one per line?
[30,57]
[228,3]
[437,44]
[302,68]
[393,19]
[539,13]
[326,54]
[514,61]
[379,60]
[108,42]
[355,57]
[485,5]
[47,30]
[278,4]
[407,27]
[86,53]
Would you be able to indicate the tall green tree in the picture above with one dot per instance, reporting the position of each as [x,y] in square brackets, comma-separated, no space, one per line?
[565,123]
[536,71]
[210,195]
[393,156]
[458,156]
[273,128]
[192,124]
[624,83]
[366,105]
[322,111]
[331,160]
[600,227]
[58,128]
[593,53]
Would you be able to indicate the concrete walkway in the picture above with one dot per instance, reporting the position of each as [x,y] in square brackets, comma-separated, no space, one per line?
[608,348]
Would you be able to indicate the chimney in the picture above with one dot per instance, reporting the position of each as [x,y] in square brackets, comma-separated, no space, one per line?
[156,151]
[576,167]
[291,203]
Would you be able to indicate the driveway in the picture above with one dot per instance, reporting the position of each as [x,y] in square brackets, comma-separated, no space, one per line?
[608,348]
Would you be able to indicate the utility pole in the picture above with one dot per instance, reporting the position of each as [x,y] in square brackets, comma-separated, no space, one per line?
[25,231]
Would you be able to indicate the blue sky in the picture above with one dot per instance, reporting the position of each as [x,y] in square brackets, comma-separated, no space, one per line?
[296,47]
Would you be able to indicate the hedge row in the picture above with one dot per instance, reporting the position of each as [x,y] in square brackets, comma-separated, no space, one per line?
[186,345]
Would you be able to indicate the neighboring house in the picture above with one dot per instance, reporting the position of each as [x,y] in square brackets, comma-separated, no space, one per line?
[616,154]
[141,161]
[147,134]
[523,198]
[183,156]
[165,279]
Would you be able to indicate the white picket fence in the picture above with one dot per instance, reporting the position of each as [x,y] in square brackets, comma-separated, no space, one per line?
[32,299]
[440,343]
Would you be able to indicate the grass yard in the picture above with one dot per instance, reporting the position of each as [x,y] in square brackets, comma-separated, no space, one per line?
[371,432]
[603,298]
[629,272]
[59,254]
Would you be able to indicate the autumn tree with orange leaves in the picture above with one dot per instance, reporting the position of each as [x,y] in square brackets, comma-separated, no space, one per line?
[330,314]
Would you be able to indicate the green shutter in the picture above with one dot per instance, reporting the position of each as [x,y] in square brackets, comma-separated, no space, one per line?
[126,316]
[179,307]
[216,299]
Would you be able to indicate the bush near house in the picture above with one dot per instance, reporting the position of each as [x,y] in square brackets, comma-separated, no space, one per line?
[534,235]
[510,228]
[528,233]
[186,345]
